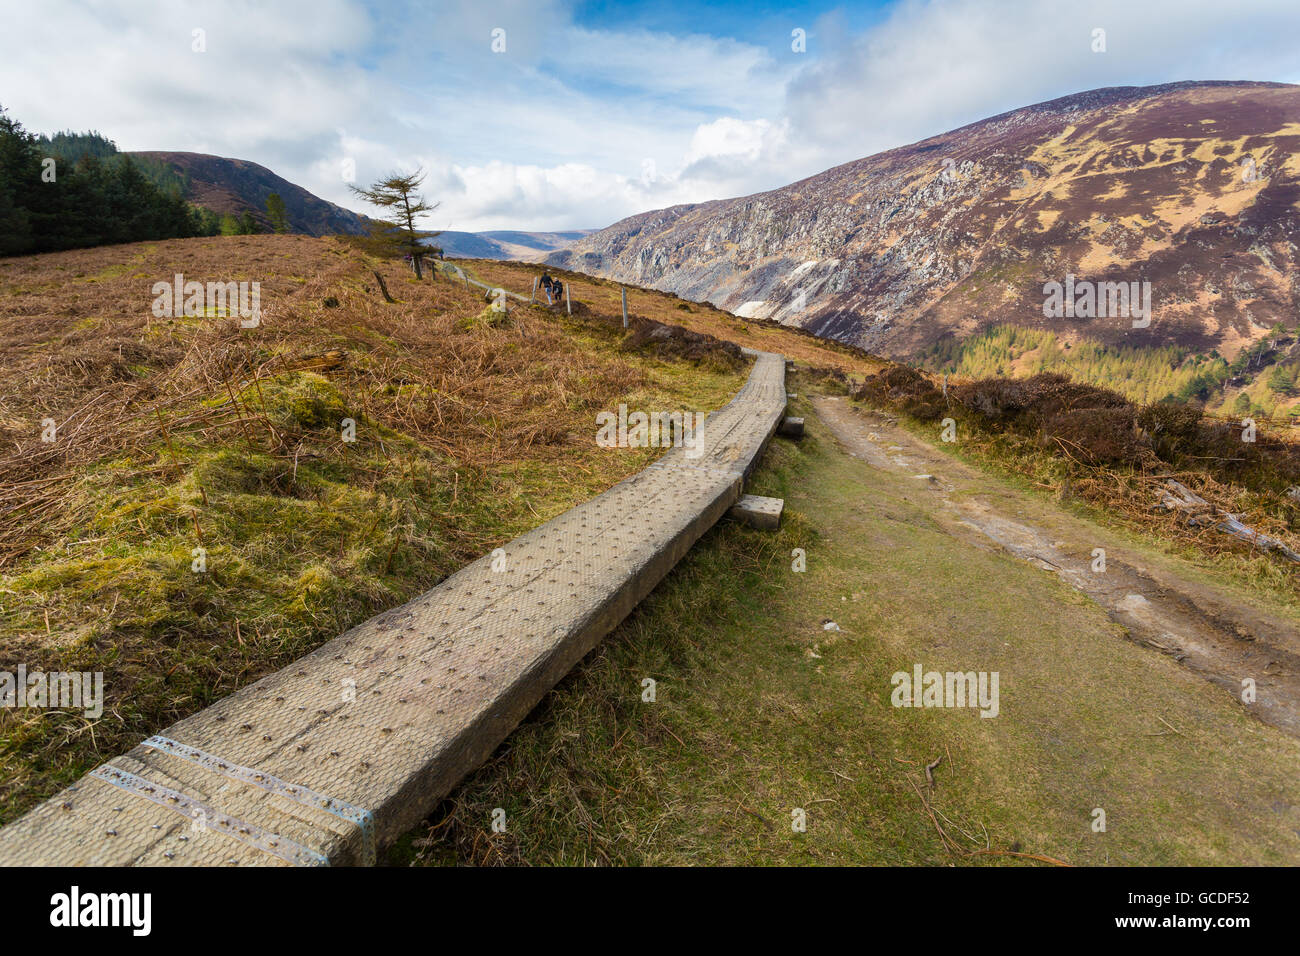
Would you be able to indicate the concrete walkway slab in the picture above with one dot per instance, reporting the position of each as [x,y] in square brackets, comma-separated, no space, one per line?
[331,758]
[759,512]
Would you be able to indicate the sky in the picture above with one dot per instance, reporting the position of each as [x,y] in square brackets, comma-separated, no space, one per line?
[563,114]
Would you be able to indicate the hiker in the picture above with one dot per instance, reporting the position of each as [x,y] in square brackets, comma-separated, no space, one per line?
[548,285]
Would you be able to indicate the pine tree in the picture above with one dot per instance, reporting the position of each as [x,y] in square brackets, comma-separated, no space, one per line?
[275,211]
[20,173]
[95,195]
[396,233]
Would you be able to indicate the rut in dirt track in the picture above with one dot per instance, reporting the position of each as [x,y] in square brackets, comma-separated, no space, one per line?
[1210,630]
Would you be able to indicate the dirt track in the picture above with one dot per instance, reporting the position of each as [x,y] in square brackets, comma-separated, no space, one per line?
[1209,629]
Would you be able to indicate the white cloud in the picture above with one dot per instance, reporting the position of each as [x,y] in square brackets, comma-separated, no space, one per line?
[716,72]
[934,66]
[728,137]
[578,126]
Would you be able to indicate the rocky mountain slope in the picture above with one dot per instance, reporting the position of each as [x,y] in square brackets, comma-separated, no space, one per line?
[236,185]
[1191,187]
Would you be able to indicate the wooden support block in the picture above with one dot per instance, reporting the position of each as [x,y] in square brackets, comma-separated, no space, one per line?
[759,512]
[791,427]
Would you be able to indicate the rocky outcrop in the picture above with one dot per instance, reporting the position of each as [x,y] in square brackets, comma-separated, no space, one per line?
[1192,187]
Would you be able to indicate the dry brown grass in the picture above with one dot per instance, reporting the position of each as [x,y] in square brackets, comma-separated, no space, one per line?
[602,295]
[174,433]
[78,344]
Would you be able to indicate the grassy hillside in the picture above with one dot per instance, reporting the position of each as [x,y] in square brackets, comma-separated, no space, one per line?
[1097,450]
[174,434]
[182,433]
[603,296]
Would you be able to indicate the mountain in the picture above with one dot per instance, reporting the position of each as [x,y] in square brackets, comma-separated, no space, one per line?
[1189,186]
[506,244]
[235,185]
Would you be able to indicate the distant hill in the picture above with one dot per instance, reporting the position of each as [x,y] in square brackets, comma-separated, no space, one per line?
[233,186]
[507,244]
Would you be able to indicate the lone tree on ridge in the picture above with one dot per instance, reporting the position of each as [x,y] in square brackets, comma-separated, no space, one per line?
[396,232]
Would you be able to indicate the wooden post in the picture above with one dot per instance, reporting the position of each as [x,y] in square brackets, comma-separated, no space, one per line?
[533,298]
[568,306]
[623,289]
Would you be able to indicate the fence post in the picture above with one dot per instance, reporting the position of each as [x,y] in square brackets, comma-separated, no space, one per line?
[568,306]
[623,289]
[533,297]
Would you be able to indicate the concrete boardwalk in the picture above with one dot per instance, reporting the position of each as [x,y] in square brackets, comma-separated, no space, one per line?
[331,758]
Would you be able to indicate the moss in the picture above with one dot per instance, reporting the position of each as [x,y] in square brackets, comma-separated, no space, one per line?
[307,400]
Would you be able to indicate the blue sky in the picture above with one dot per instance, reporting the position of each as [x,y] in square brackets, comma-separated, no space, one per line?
[593,110]
[764,23]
